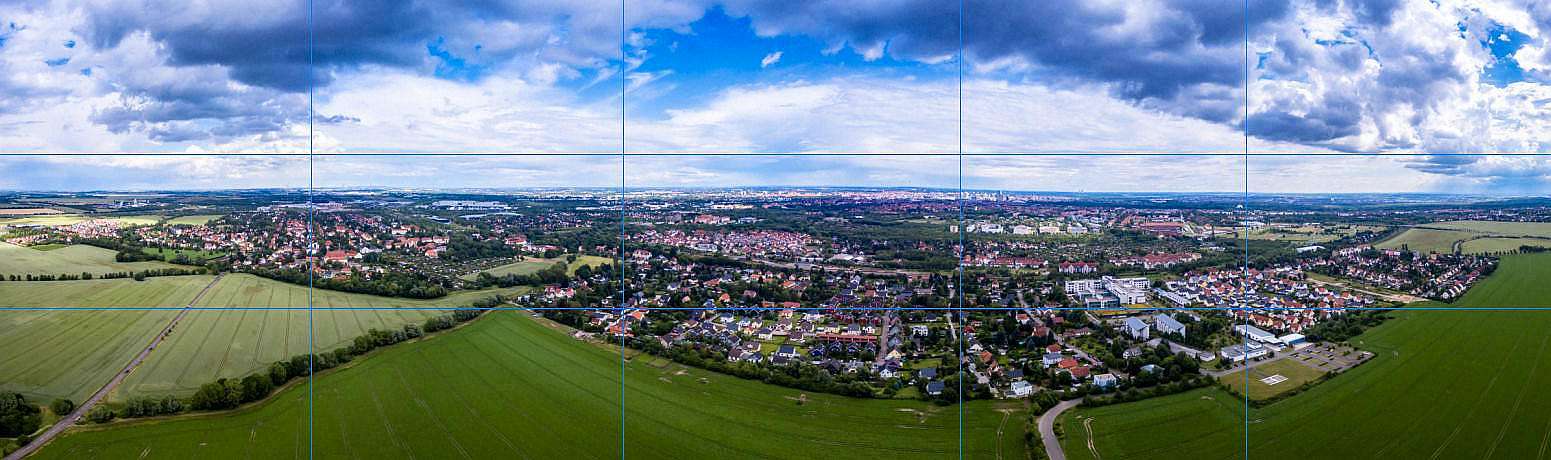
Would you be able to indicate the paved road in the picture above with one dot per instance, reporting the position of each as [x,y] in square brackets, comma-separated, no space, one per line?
[1047,429]
[80,411]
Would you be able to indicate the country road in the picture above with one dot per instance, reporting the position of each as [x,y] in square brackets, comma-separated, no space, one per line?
[1047,429]
[85,407]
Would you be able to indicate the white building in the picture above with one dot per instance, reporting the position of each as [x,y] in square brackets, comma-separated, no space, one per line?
[1256,334]
[1137,328]
[1168,325]
[1128,290]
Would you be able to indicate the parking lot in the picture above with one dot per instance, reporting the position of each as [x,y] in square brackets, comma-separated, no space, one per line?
[1328,357]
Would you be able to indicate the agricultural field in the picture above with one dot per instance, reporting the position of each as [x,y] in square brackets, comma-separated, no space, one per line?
[1473,236]
[1308,234]
[511,386]
[535,265]
[1442,384]
[55,220]
[73,259]
[267,322]
[201,219]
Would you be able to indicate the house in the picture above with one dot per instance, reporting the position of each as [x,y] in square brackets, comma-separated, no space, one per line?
[786,351]
[1104,380]
[1168,325]
[934,388]
[1051,359]
[1137,328]
[1021,388]
[928,373]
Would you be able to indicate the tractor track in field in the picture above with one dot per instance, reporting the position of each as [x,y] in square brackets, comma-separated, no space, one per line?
[102,393]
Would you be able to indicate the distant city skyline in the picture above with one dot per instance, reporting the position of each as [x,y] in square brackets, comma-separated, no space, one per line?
[1171,173]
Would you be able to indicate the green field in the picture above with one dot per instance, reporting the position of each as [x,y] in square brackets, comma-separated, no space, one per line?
[1477,236]
[1443,384]
[63,353]
[509,386]
[535,265]
[68,219]
[192,220]
[1308,234]
[1295,372]
[74,259]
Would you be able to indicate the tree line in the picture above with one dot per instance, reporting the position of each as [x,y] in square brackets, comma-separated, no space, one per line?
[87,276]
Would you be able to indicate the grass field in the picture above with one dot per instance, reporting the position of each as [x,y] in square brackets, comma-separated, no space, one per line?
[1443,384]
[74,259]
[62,353]
[1294,372]
[534,265]
[1478,236]
[192,220]
[509,386]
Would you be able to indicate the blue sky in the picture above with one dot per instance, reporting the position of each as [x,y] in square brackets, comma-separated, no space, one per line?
[1409,79]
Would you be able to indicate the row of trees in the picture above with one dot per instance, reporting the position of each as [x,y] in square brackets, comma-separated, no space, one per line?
[391,284]
[138,276]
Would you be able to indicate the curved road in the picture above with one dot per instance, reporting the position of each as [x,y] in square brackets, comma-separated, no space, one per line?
[80,411]
[1047,429]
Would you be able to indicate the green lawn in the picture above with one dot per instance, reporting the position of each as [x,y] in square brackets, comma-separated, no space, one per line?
[63,353]
[1443,384]
[1295,372]
[509,386]
[74,259]
[535,265]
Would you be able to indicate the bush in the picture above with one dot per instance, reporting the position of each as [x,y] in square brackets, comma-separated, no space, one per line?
[62,406]
[100,414]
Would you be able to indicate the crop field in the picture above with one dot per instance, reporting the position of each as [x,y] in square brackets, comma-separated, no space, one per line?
[535,265]
[70,354]
[74,259]
[68,219]
[509,386]
[269,323]
[1443,384]
[1473,236]
[1292,374]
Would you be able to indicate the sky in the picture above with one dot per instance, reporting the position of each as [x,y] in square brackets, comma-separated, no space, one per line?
[1349,95]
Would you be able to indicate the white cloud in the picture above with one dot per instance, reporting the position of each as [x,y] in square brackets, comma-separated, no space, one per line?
[770,59]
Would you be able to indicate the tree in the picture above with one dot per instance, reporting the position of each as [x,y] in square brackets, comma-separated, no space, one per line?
[100,414]
[62,406]
[279,374]
[256,387]
[17,417]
